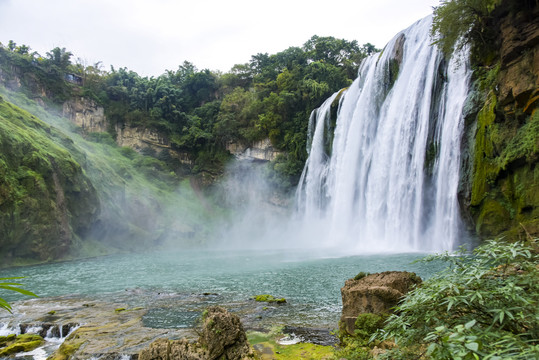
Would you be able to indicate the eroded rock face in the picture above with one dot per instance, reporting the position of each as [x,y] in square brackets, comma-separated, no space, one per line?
[85,113]
[222,337]
[374,293]
[503,197]
[261,150]
[519,73]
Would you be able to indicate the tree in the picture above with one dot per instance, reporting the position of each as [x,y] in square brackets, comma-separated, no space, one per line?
[459,23]
[60,57]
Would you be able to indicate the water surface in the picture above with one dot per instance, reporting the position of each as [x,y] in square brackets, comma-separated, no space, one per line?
[176,286]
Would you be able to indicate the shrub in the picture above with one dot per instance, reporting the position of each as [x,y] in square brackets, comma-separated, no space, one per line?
[484,305]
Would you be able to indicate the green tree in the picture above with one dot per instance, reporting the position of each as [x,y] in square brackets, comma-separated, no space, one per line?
[460,23]
[60,57]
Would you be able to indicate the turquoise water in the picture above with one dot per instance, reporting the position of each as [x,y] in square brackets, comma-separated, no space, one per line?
[176,286]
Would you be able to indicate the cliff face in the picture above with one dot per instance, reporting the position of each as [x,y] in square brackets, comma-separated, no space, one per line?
[86,114]
[46,201]
[504,193]
[261,150]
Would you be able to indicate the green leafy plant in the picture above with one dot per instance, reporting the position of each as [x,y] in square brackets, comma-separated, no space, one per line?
[483,306]
[12,286]
[458,23]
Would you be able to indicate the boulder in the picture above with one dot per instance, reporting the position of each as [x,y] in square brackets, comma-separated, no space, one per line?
[375,293]
[222,337]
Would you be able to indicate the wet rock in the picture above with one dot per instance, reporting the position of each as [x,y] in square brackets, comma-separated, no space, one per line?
[222,337]
[322,337]
[11,345]
[223,334]
[374,293]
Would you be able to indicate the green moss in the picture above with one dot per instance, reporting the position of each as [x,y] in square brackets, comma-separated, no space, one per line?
[266,347]
[366,324]
[66,350]
[485,169]
[21,343]
[45,199]
[269,299]
[5,339]
[524,145]
[505,178]
[493,219]
[360,275]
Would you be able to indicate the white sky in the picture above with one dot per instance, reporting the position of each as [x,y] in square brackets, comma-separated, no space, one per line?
[151,36]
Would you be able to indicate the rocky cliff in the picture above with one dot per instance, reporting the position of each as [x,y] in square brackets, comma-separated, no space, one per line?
[261,150]
[86,114]
[503,195]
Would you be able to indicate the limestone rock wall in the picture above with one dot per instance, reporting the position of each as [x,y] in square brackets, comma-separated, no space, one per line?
[261,150]
[503,136]
[139,138]
[85,113]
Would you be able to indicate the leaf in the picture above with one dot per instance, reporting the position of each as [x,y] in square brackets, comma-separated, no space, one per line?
[472,346]
[470,324]
[19,290]
[5,305]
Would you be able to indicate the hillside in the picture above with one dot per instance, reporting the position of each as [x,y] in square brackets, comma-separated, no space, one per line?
[64,196]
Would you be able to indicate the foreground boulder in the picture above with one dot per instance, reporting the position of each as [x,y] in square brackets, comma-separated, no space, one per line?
[375,293]
[222,337]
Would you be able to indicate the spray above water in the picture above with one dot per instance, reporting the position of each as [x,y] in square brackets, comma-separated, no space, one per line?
[386,178]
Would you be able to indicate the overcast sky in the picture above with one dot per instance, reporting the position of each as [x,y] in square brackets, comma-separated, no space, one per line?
[151,36]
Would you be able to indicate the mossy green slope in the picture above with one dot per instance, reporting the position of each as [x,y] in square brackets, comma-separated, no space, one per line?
[46,200]
[115,199]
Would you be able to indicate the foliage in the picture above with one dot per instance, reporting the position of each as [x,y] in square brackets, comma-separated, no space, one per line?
[12,286]
[360,275]
[117,199]
[458,23]
[484,305]
[201,111]
[358,346]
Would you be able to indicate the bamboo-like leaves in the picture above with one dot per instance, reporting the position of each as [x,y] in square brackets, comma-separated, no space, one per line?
[12,286]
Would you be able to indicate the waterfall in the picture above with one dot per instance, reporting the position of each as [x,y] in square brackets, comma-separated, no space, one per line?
[383,176]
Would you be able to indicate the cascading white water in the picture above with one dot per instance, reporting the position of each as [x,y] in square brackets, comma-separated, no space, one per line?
[387,178]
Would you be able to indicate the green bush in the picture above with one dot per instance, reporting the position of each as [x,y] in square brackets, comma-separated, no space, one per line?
[483,306]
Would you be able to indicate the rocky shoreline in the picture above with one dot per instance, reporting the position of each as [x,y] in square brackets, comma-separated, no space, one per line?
[86,327]
[89,327]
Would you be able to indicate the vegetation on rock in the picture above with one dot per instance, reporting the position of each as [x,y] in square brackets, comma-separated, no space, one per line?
[201,111]
[64,196]
[11,344]
[501,187]
[269,299]
[483,306]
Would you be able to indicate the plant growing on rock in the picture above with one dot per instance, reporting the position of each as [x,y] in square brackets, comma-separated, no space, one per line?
[484,305]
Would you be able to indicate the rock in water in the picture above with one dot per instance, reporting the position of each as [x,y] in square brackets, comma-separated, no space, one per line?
[222,337]
[374,293]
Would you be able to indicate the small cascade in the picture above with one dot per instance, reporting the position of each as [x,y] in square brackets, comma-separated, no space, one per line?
[385,179]
[53,334]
